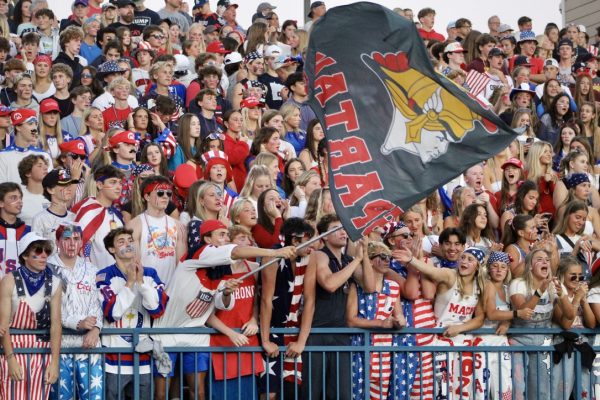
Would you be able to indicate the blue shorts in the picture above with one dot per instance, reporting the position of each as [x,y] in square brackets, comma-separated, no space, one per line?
[191,362]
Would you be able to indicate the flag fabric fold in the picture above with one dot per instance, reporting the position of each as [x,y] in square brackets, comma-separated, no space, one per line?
[396,130]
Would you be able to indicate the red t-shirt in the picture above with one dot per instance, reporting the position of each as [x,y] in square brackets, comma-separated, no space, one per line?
[240,314]
[115,117]
[431,35]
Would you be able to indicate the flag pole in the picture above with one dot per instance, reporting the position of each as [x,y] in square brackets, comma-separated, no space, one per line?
[301,246]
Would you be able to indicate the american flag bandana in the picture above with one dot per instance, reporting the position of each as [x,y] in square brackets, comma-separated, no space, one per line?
[200,304]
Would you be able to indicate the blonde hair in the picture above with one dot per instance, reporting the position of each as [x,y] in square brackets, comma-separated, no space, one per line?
[286,111]
[265,158]
[245,120]
[44,130]
[375,248]
[255,172]
[237,207]
[303,180]
[534,168]
[157,66]
[117,82]
[196,209]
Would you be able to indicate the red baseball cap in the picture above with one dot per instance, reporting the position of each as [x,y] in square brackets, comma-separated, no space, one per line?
[48,105]
[217,47]
[122,137]
[514,162]
[73,146]
[22,115]
[211,225]
[251,102]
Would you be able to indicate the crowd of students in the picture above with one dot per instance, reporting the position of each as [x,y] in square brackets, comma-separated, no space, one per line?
[152,159]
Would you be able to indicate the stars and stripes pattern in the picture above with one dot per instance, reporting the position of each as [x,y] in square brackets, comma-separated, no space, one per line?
[390,375]
[292,367]
[476,82]
[199,305]
[89,214]
[32,387]
[422,387]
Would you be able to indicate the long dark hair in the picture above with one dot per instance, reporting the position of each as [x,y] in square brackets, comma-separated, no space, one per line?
[467,221]
[18,12]
[164,170]
[261,216]
[554,115]
[512,228]
[522,191]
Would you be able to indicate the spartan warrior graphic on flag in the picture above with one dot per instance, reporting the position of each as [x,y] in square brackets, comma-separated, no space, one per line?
[396,130]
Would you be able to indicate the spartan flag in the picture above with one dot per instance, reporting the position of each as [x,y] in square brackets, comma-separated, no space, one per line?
[396,130]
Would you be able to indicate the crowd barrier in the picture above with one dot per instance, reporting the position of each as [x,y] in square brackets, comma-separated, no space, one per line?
[467,357]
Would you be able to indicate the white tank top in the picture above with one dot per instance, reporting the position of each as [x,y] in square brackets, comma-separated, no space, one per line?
[501,305]
[158,245]
[451,308]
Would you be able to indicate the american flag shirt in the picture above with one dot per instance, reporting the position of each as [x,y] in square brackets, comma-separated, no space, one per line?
[397,369]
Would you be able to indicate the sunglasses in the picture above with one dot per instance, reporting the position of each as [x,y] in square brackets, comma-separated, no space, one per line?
[87,76]
[74,156]
[404,235]
[383,257]
[39,249]
[579,278]
[161,193]
[158,37]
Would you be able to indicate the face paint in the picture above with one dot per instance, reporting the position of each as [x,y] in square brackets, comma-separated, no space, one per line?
[127,249]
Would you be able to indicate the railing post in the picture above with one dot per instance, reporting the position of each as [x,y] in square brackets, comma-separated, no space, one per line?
[136,365]
[578,371]
[366,363]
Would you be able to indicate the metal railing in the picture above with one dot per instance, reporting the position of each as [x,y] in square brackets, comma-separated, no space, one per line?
[471,360]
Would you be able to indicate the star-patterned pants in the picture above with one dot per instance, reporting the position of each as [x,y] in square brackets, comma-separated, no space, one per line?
[531,371]
[563,376]
[81,374]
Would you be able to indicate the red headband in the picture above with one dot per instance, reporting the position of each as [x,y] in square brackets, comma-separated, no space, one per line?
[156,186]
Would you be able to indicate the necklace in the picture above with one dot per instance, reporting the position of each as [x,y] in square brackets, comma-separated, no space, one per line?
[165,241]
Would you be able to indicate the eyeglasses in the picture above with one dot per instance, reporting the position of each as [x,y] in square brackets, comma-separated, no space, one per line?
[382,257]
[405,235]
[158,37]
[74,156]
[39,249]
[86,76]
[465,26]
[579,278]
[161,193]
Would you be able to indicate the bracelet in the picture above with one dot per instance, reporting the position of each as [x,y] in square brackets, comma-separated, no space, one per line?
[515,315]
[9,356]
[411,260]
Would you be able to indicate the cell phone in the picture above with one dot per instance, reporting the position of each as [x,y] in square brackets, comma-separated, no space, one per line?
[547,215]
[529,140]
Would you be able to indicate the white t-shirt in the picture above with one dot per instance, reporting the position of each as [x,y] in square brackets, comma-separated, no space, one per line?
[33,204]
[184,288]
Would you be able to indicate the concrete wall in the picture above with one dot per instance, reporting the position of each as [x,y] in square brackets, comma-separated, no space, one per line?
[583,12]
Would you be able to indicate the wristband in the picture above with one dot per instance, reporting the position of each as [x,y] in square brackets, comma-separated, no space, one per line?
[515,315]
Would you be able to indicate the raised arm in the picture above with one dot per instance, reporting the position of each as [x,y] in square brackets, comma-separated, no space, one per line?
[437,275]
[332,281]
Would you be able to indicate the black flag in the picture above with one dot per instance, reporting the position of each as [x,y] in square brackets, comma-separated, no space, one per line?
[396,129]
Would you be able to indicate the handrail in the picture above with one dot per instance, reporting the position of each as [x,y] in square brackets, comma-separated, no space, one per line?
[352,331]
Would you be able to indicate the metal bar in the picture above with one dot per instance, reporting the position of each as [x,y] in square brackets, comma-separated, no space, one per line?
[301,246]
